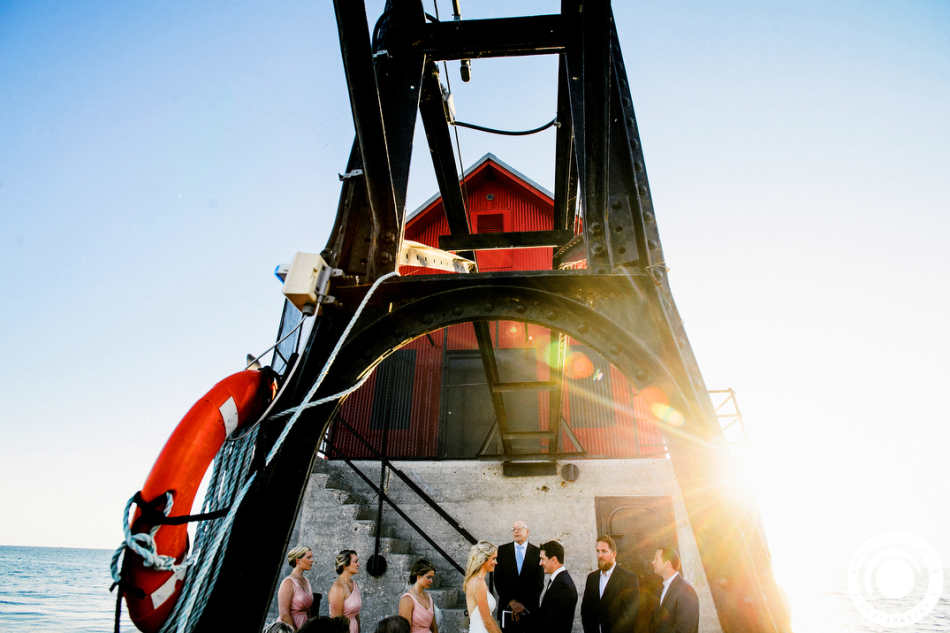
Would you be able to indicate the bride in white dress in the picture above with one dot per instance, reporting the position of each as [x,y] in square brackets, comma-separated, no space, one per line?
[480,602]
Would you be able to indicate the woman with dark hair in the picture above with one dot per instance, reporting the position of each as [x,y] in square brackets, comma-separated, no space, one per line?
[323,624]
[294,598]
[416,605]
[393,624]
[344,594]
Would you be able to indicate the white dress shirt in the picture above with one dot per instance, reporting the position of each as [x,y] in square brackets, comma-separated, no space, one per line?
[605,578]
[666,585]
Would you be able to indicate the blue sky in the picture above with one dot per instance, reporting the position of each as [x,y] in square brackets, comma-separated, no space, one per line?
[158,160]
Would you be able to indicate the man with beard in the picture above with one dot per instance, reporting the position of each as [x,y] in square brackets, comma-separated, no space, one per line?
[612,595]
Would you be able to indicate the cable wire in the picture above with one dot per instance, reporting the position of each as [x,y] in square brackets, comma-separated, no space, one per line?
[490,130]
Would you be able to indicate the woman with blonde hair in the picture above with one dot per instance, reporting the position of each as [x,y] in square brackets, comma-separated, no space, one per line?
[481,561]
[416,605]
[344,595]
[294,598]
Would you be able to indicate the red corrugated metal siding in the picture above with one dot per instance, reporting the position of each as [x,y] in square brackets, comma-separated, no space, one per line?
[627,425]
[421,439]
[523,216]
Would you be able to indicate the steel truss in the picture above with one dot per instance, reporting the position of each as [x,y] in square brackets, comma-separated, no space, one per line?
[620,305]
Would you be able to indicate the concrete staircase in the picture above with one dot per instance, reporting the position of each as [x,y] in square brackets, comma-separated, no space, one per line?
[339,512]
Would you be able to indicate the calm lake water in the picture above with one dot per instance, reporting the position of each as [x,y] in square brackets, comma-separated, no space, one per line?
[66,590]
[57,589]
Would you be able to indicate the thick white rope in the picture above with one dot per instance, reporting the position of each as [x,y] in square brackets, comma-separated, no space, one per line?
[197,587]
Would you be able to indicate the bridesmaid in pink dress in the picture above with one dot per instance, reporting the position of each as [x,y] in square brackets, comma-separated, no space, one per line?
[416,605]
[344,595]
[294,598]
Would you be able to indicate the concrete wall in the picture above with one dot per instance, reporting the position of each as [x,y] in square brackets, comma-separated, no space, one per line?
[486,503]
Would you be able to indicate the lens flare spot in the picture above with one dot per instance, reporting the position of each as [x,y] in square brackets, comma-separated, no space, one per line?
[652,396]
[668,414]
[578,366]
[676,419]
[598,375]
[513,330]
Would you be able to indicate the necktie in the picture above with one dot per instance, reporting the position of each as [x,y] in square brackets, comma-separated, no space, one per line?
[549,584]
[519,555]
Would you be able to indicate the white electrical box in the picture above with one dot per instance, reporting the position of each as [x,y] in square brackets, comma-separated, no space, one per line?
[306,283]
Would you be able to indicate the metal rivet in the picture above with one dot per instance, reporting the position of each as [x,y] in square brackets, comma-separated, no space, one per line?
[427,319]
[386,258]
[648,217]
[634,143]
[642,189]
[638,166]
[551,315]
[595,228]
[615,349]
[398,332]
[640,375]
[389,237]
[652,244]
[520,309]
[658,274]
[598,248]
[457,310]
[601,270]
[488,307]
[583,328]
[631,122]
[615,204]
[682,342]
[626,101]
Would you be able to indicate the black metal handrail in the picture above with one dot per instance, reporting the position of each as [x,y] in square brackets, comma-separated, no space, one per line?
[386,464]
[383,496]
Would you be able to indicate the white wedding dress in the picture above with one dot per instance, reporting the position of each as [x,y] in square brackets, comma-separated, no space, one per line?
[475,623]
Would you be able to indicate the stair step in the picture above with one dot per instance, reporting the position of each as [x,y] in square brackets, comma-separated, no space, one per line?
[446,598]
[368,527]
[322,466]
[345,497]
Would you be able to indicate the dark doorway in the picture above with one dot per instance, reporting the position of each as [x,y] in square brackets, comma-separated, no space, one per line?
[639,525]
[468,415]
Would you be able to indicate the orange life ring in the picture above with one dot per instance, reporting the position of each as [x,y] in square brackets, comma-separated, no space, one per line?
[232,403]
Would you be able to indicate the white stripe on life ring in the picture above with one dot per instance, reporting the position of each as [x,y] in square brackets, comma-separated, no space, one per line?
[230,414]
[167,590]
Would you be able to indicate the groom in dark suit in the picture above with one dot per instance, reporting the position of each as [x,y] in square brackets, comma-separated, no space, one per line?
[678,609]
[612,594]
[518,580]
[556,614]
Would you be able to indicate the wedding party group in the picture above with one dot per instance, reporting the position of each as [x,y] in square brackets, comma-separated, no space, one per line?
[611,603]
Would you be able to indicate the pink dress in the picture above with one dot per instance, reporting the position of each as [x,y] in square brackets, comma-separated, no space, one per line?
[352,606]
[300,602]
[421,617]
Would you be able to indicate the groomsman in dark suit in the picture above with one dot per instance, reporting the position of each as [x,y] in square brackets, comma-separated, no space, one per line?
[612,594]
[556,614]
[678,609]
[518,579]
